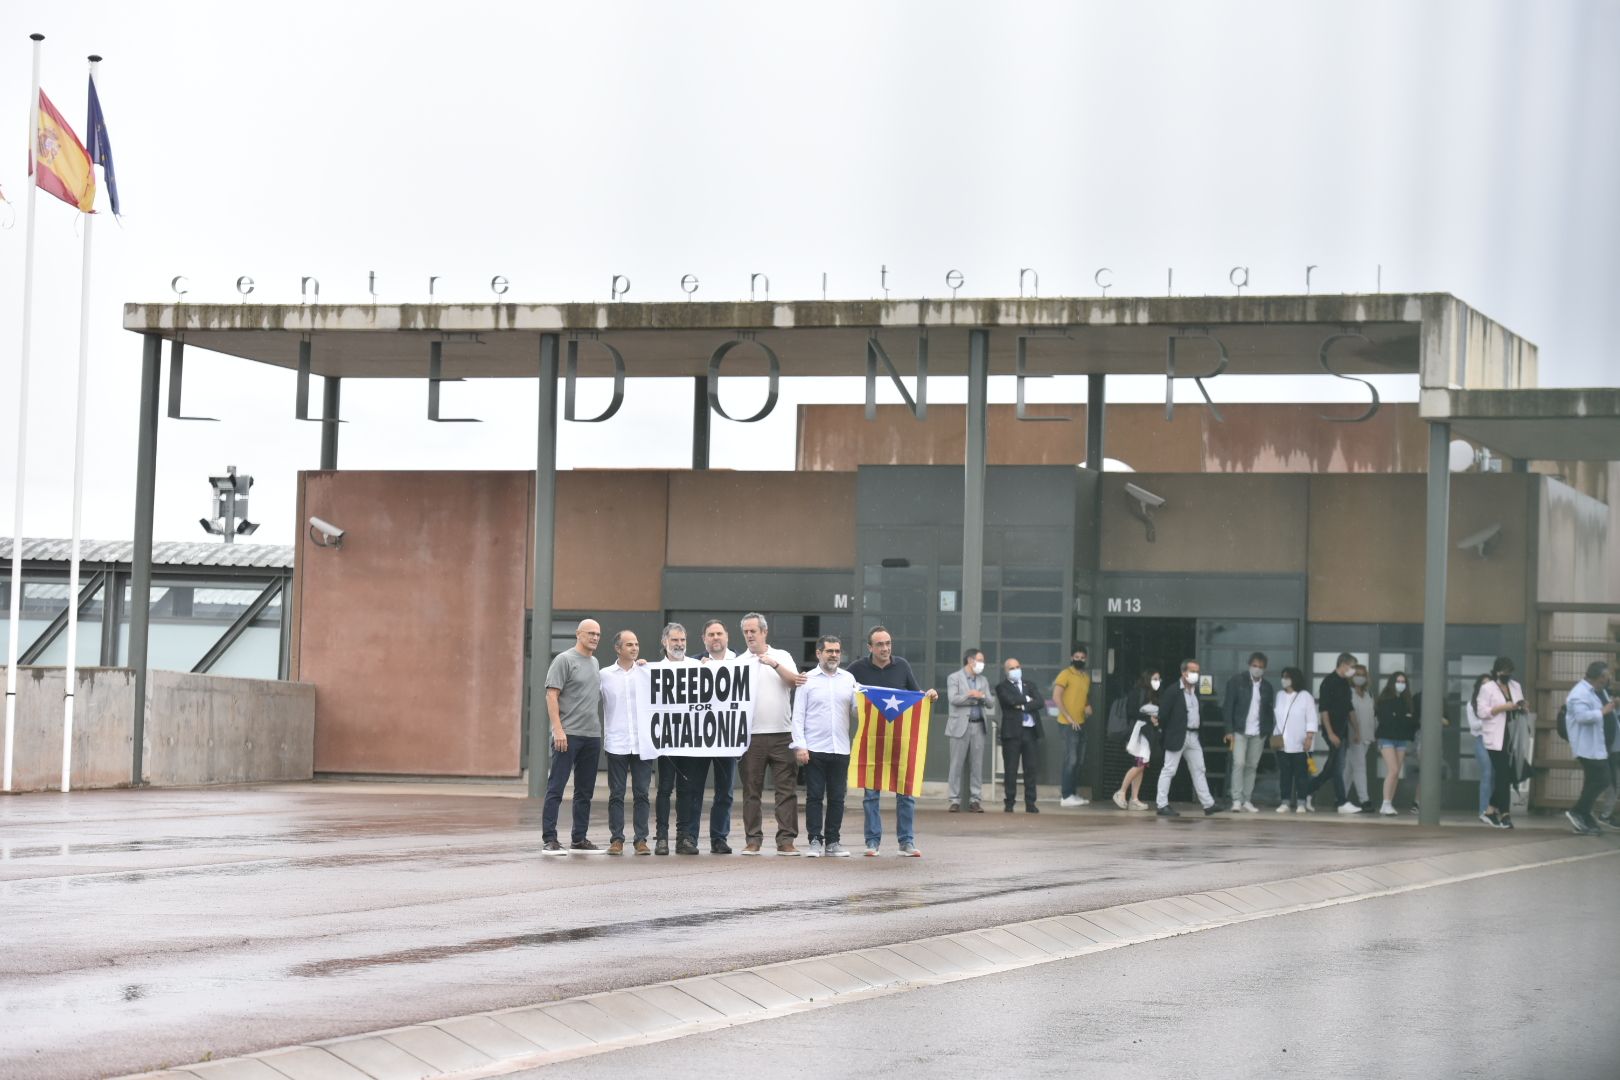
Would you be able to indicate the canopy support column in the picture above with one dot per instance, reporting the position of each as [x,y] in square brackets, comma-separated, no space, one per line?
[140,590]
[545,524]
[1435,545]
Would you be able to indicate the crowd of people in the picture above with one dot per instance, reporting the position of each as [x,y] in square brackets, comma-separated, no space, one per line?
[803,721]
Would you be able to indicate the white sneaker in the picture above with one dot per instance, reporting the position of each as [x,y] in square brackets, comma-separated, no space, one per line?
[1307,806]
[1138,804]
[1388,809]
[837,851]
[814,850]
[1072,800]
[1250,808]
[1349,808]
[1284,809]
[1303,808]
[1082,800]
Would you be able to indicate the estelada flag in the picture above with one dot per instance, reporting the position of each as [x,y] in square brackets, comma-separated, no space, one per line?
[891,744]
[64,164]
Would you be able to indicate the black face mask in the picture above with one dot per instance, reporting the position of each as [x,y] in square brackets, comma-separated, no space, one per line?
[1504,676]
[1078,665]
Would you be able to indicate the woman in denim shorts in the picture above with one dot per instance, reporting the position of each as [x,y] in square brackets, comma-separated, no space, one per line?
[1397,727]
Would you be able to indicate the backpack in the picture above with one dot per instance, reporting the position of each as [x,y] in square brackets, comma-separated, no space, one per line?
[1118,723]
[1563,722]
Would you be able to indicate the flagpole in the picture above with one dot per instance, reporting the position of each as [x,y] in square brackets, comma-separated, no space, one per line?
[22,421]
[68,703]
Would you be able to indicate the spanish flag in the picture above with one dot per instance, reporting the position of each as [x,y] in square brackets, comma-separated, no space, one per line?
[63,163]
[891,744]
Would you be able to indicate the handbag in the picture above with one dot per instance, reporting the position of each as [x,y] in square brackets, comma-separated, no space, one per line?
[1276,740]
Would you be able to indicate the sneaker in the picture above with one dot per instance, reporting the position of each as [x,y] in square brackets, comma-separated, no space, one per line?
[551,847]
[1213,808]
[1308,806]
[1507,821]
[1072,800]
[1032,809]
[909,851]
[661,846]
[642,848]
[1168,811]
[871,852]
[1083,800]
[1349,808]
[719,847]
[1607,823]
[751,849]
[955,809]
[1250,808]
[1580,827]
[975,807]
[1138,804]
[585,847]
[1285,809]
[616,847]
[814,849]
[1489,817]
[683,846]
[788,849]
[1388,810]
[1302,809]
[1119,800]
[837,851]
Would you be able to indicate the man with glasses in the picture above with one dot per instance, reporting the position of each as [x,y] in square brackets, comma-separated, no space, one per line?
[882,669]
[822,709]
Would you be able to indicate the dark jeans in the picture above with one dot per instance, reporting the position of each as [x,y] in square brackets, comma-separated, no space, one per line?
[694,776]
[580,760]
[1594,778]
[1502,779]
[668,776]
[620,767]
[826,779]
[1292,776]
[1020,747]
[1332,772]
[1074,756]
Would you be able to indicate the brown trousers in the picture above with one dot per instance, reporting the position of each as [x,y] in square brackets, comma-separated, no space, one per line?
[770,750]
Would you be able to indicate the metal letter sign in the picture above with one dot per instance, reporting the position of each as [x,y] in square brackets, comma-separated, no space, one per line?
[1372,409]
[435,377]
[1019,376]
[714,380]
[177,367]
[1170,375]
[875,355]
[571,377]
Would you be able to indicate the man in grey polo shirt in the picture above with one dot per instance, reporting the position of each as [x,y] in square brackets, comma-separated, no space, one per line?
[574,703]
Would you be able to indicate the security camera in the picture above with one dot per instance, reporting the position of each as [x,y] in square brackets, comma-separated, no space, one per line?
[1483,542]
[325,534]
[1143,502]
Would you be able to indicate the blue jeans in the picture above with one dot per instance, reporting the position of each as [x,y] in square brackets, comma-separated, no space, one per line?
[694,775]
[905,812]
[1074,756]
[621,767]
[826,778]
[669,775]
[1483,756]
[580,760]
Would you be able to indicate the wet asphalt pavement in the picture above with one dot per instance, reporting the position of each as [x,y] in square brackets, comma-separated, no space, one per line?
[147,928]
[1457,982]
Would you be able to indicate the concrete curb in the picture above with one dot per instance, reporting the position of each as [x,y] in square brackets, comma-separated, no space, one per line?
[507,1040]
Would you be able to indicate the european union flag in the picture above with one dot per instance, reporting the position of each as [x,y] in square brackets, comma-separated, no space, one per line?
[100,146]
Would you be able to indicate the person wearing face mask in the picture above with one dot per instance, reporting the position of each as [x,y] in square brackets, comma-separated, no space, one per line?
[1585,710]
[1142,706]
[1021,708]
[1362,720]
[1297,726]
[971,707]
[1337,719]
[1250,707]
[1180,721]
[1397,727]
[1072,692]
[1494,701]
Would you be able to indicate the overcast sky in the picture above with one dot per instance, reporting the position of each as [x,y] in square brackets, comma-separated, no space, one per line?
[1467,147]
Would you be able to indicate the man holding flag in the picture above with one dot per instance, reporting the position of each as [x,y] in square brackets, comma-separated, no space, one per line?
[892,741]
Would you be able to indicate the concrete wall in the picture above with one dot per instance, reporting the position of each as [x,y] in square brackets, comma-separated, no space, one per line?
[611,535]
[766,519]
[1228,524]
[200,729]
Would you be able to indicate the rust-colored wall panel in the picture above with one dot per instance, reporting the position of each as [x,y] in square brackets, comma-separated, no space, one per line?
[610,540]
[412,632]
[1366,549]
[1228,524]
[766,519]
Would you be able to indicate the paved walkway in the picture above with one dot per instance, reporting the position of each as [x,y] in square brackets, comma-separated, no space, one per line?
[159,928]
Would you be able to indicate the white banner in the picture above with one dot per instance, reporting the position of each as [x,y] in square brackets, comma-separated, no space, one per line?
[693,710]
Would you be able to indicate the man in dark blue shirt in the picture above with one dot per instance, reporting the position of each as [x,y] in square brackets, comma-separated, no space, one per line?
[881,668]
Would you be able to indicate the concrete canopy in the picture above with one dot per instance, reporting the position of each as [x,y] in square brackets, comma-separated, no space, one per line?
[1539,425]
[1262,335]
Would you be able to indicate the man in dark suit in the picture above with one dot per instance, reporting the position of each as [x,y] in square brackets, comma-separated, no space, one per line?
[1021,708]
[1180,722]
[1249,705]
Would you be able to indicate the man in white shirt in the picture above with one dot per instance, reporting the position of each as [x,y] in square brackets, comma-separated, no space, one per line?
[619,742]
[822,710]
[671,770]
[696,770]
[770,736]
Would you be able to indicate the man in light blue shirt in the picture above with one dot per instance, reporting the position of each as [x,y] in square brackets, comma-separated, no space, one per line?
[1584,713]
[822,709]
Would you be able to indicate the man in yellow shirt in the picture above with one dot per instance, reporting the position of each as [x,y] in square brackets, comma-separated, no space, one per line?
[1072,691]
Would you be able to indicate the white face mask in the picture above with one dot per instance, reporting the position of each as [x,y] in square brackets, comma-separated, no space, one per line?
[1192,678]
[1155,680]
[1016,675]
[1288,684]
[1400,686]
[978,667]
[1360,680]
[1256,672]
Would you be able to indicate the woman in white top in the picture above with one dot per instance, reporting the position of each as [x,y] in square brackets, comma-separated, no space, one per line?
[1296,726]
[1494,701]
[1362,723]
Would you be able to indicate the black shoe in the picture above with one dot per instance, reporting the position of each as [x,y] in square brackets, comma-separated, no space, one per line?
[551,847]
[1007,809]
[1168,811]
[1507,821]
[661,846]
[1032,809]
[683,846]
[1213,808]
[719,847]
[585,846]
